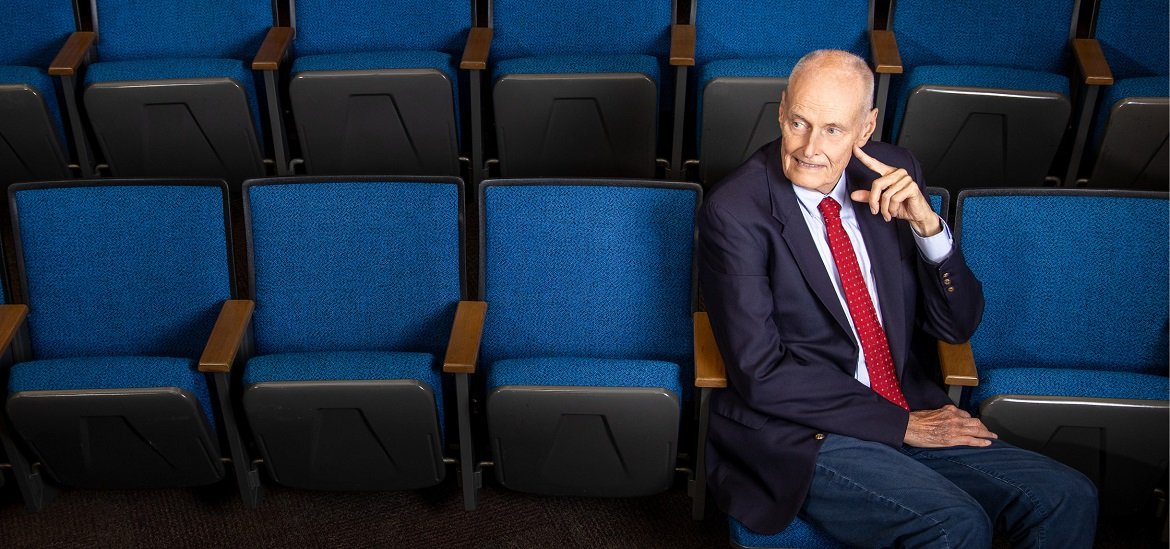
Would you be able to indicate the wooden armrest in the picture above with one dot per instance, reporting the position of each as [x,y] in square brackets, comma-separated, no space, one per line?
[11,317]
[958,364]
[682,45]
[886,59]
[273,48]
[226,336]
[709,368]
[69,59]
[1092,63]
[463,347]
[475,53]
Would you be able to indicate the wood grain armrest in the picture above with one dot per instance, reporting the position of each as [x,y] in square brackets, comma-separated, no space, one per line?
[227,336]
[72,54]
[272,50]
[682,45]
[466,331]
[475,53]
[11,317]
[1091,61]
[886,59]
[958,364]
[709,368]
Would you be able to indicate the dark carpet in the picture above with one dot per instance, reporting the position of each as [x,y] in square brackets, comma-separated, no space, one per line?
[213,517]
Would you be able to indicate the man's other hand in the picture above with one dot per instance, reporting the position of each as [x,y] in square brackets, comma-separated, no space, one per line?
[946,426]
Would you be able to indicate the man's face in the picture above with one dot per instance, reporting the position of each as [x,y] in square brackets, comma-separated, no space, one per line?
[821,118]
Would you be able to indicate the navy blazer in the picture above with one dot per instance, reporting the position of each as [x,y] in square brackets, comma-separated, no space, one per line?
[785,337]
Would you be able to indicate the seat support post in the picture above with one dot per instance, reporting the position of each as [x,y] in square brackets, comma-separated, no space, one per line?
[468,475]
[276,124]
[36,492]
[247,475]
[680,102]
[883,93]
[699,482]
[478,167]
[80,142]
[1084,120]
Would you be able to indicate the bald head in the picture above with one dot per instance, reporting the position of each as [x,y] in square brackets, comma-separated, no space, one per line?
[848,66]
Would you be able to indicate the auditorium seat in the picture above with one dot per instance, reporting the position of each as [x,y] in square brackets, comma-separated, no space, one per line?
[33,129]
[124,282]
[587,346]
[744,52]
[984,100]
[713,376]
[1072,351]
[360,335]
[374,86]
[1132,123]
[171,92]
[579,86]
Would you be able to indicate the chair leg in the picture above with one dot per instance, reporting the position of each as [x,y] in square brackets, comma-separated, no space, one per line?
[699,482]
[469,476]
[247,474]
[34,488]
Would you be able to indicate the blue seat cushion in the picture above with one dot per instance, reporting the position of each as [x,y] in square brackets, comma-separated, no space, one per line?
[1069,383]
[347,366]
[112,372]
[40,81]
[798,534]
[579,64]
[173,69]
[1144,86]
[1004,78]
[585,372]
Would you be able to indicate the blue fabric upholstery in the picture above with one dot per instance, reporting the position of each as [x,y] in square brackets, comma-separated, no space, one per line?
[375,265]
[740,29]
[112,372]
[182,28]
[524,28]
[798,534]
[123,269]
[1131,33]
[591,270]
[1070,383]
[34,31]
[583,372]
[977,77]
[1064,294]
[329,26]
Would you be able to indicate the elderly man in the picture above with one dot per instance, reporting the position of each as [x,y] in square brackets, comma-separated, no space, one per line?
[824,269]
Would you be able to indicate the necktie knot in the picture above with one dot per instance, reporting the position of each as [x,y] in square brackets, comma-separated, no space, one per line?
[830,208]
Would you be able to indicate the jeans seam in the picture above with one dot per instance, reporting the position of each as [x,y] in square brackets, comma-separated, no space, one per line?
[859,486]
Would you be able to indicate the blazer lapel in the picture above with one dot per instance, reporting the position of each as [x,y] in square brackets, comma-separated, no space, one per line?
[795,233]
[881,244]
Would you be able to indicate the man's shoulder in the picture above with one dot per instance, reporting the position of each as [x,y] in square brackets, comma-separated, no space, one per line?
[747,184]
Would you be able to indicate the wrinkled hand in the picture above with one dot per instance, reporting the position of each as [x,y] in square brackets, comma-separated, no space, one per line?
[946,426]
[895,195]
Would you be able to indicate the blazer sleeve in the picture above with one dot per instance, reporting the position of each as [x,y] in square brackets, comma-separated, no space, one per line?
[762,371]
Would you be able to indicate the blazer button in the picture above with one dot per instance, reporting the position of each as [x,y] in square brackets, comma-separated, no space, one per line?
[950,289]
[820,436]
[946,275]
[947,281]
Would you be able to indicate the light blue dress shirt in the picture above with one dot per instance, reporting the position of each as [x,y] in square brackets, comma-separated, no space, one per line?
[934,249]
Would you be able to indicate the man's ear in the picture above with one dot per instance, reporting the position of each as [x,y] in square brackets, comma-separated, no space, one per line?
[868,127]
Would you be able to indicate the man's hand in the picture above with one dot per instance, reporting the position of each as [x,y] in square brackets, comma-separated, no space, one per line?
[946,426]
[895,195]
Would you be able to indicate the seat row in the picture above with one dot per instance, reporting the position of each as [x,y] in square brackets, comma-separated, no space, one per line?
[237,89]
[360,359]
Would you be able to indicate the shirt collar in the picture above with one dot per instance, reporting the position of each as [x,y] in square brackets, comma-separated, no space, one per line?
[810,199]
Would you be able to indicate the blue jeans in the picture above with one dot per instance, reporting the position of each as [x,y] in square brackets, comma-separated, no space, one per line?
[868,494]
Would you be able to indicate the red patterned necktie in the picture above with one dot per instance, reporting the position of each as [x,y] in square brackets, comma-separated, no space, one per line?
[869,330]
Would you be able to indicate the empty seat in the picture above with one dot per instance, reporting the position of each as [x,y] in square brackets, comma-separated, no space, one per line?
[375,88]
[1072,351]
[33,142]
[171,92]
[587,347]
[744,52]
[1133,115]
[357,282]
[578,86]
[976,108]
[124,281]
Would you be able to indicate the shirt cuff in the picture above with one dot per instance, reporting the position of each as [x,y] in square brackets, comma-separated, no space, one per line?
[935,249]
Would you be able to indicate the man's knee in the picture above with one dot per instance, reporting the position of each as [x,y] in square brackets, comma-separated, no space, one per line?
[963,524]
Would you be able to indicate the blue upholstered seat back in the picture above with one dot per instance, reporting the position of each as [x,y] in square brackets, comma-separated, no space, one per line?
[1072,279]
[349,265]
[123,268]
[737,29]
[325,26]
[528,28]
[589,269]
[225,29]
[1132,35]
[34,31]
